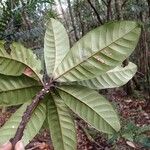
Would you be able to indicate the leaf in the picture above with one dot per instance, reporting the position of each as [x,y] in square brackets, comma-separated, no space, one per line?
[28,72]
[111,79]
[17,90]
[18,60]
[143,129]
[56,45]
[61,124]
[144,140]
[131,144]
[92,107]
[128,136]
[98,51]
[34,125]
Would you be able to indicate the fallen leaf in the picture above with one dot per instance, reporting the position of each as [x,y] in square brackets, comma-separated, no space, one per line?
[131,144]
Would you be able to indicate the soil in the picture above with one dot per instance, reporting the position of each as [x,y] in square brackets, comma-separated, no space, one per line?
[131,109]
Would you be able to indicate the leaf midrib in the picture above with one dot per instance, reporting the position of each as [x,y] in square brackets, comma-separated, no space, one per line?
[90,56]
[55,47]
[110,72]
[59,122]
[88,107]
[32,86]
[51,30]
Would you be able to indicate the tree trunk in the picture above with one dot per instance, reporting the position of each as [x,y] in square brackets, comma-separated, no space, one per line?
[72,19]
[148,2]
[124,4]
[63,13]
[118,10]
[96,12]
[109,11]
[80,19]
[25,18]
[146,66]
[136,83]
[144,61]
[129,86]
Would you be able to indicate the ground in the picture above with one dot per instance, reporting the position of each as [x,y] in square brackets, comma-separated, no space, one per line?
[134,113]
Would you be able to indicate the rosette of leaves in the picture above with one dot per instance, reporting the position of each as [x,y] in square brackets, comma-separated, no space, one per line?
[94,62]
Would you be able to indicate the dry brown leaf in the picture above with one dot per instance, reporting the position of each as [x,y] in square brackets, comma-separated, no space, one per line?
[131,144]
[28,72]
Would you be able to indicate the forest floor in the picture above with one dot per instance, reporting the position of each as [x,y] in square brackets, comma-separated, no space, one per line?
[133,115]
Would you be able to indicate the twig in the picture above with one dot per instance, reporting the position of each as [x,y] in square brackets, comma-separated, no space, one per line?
[29,110]
[104,2]
[96,12]
[124,3]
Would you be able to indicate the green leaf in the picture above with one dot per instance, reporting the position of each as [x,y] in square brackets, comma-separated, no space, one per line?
[17,90]
[16,63]
[61,124]
[143,129]
[144,140]
[56,45]
[98,51]
[34,125]
[111,79]
[92,107]
[128,136]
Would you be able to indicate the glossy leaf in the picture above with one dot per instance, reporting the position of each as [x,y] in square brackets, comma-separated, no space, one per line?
[19,59]
[56,45]
[111,79]
[98,51]
[91,106]
[61,124]
[17,90]
[7,131]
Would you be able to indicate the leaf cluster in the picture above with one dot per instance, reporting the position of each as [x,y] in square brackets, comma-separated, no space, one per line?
[94,62]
